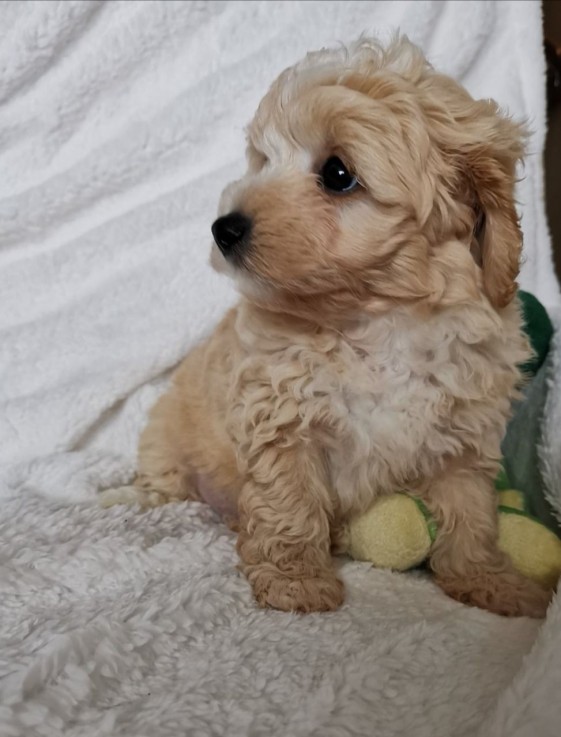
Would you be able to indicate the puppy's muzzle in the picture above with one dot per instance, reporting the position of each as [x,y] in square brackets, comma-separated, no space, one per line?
[231,234]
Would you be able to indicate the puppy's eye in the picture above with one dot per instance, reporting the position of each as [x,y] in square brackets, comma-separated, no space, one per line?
[335,176]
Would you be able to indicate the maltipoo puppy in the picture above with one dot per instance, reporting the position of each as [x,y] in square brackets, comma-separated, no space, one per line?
[375,347]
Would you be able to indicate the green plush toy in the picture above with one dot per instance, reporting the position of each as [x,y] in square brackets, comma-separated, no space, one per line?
[539,329]
[398,531]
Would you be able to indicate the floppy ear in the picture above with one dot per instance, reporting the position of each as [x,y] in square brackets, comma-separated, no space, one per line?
[481,148]
[490,168]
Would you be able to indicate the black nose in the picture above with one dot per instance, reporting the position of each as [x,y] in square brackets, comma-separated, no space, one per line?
[229,231]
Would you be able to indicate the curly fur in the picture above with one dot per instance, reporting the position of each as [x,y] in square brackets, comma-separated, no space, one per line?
[377,340]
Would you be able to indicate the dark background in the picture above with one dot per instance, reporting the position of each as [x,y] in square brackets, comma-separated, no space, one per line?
[552,34]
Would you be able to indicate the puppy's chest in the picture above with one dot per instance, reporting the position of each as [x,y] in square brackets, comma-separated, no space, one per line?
[388,413]
[385,403]
[377,393]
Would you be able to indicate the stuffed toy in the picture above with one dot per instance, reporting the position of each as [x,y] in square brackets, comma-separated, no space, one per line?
[398,531]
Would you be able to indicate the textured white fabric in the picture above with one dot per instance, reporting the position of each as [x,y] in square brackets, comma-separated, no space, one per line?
[119,124]
[120,623]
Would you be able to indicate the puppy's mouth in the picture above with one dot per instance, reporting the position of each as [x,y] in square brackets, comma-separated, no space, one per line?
[232,235]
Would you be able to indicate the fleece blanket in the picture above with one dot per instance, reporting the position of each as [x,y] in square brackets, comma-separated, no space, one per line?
[120,122]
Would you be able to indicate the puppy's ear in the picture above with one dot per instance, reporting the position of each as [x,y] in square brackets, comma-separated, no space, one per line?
[482,147]
[490,170]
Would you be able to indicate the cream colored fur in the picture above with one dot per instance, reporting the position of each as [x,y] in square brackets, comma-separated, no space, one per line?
[376,343]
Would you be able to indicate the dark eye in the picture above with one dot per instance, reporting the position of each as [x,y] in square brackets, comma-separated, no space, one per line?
[335,176]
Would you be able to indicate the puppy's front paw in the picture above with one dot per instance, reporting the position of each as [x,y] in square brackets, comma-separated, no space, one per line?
[507,593]
[315,594]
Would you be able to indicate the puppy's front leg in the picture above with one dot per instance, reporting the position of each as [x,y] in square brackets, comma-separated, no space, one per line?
[284,539]
[466,560]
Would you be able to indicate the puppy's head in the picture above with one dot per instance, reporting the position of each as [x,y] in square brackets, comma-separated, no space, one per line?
[372,180]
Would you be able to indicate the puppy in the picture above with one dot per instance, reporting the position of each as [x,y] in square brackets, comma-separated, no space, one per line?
[375,243]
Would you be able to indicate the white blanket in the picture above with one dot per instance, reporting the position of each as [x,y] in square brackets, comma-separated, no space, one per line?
[119,124]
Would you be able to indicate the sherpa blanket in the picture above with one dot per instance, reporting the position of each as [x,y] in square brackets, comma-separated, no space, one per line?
[119,124]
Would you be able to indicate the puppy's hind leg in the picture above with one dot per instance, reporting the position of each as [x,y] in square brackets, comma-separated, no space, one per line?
[151,491]
[163,472]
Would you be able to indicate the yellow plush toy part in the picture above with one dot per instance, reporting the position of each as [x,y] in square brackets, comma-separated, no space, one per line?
[398,532]
[535,550]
